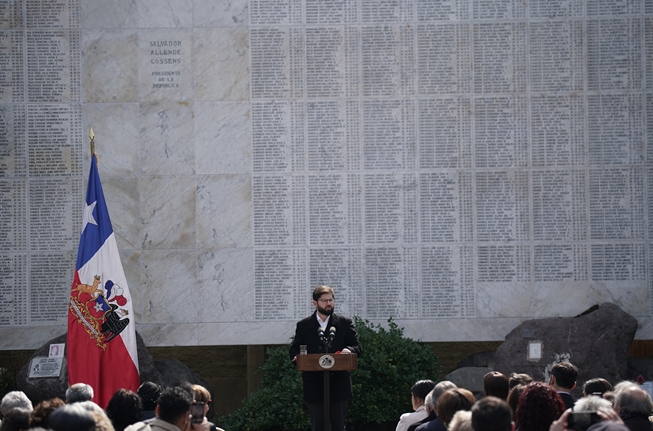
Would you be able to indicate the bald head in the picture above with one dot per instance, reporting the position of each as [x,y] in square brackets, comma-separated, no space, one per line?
[633,400]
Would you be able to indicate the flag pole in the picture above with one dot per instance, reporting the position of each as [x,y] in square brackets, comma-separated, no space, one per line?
[92,136]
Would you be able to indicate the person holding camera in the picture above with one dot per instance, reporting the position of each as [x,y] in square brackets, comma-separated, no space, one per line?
[172,413]
[602,419]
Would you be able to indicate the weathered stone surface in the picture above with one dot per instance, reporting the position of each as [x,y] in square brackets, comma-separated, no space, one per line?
[146,364]
[596,341]
[470,378]
[45,388]
[48,387]
[480,359]
[173,371]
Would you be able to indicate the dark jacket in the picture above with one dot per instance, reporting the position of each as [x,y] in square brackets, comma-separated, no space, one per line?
[567,399]
[340,381]
[434,425]
[636,422]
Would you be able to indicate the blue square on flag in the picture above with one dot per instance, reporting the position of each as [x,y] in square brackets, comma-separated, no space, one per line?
[101,305]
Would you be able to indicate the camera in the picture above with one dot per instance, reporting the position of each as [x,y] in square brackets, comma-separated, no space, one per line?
[580,421]
[197,412]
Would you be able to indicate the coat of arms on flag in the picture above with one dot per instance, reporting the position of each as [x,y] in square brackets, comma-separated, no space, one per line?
[101,331]
[102,311]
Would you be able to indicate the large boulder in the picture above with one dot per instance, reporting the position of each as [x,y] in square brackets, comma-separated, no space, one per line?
[480,359]
[470,378]
[44,388]
[173,371]
[39,389]
[596,341]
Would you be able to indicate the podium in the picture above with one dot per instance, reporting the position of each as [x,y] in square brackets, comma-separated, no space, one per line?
[327,362]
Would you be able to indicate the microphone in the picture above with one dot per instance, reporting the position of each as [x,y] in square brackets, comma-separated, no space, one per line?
[332,333]
[320,333]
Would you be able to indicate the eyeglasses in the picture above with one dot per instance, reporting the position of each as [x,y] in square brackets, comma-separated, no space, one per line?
[325,301]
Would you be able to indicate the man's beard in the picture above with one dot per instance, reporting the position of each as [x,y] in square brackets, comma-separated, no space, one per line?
[324,311]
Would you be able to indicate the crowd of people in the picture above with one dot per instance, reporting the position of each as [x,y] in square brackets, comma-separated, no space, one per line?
[507,404]
[179,407]
[520,403]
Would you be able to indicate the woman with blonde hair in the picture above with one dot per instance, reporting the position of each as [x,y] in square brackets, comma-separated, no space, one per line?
[202,395]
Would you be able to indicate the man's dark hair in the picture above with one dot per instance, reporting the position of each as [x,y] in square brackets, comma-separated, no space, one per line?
[491,414]
[16,420]
[124,409]
[496,384]
[71,417]
[516,379]
[149,393]
[565,373]
[422,388]
[174,402]
[597,386]
[322,290]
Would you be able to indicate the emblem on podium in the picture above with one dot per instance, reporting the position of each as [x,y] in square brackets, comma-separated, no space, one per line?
[327,361]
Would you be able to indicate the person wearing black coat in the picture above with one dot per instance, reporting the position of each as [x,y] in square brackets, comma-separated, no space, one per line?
[345,341]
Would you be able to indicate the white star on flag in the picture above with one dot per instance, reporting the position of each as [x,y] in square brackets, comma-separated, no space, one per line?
[87,217]
[98,307]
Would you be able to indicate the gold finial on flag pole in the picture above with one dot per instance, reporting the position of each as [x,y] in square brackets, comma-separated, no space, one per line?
[92,136]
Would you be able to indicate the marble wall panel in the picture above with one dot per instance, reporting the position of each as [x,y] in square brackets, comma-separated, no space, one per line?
[210,13]
[123,201]
[168,212]
[255,332]
[169,88]
[131,260]
[176,334]
[166,136]
[225,284]
[168,290]
[548,299]
[165,61]
[221,63]
[224,211]
[109,14]
[110,65]
[506,299]
[116,127]
[632,296]
[11,16]
[223,138]
[164,13]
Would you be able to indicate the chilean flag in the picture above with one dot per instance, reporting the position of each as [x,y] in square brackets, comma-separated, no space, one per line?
[101,328]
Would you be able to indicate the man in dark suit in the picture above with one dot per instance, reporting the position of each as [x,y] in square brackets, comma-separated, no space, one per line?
[345,342]
[563,380]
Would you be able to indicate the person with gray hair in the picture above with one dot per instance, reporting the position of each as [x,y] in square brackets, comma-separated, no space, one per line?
[419,391]
[429,411]
[634,406]
[15,399]
[79,392]
[461,421]
[591,403]
[439,389]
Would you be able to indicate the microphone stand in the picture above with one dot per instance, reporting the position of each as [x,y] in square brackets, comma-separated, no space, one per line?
[326,341]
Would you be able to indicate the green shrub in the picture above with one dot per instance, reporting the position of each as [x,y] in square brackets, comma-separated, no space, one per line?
[389,366]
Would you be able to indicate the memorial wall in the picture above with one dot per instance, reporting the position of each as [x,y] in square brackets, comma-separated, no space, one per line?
[459,166]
